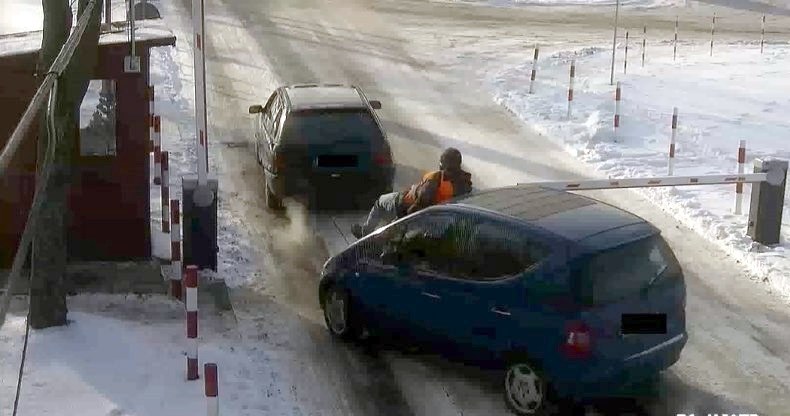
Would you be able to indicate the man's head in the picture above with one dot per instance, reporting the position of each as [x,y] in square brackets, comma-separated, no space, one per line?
[450,159]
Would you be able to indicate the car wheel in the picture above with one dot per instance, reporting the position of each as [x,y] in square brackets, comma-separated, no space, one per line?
[338,314]
[526,390]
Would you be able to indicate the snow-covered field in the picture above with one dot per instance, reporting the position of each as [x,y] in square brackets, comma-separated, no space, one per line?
[627,3]
[737,94]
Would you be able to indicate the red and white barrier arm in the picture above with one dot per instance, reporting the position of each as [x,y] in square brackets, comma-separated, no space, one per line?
[165,193]
[191,294]
[739,186]
[212,389]
[651,182]
[570,86]
[175,250]
[200,91]
[157,150]
[534,69]
[671,167]
[617,96]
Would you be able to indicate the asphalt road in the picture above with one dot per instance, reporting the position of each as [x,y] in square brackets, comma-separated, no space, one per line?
[738,356]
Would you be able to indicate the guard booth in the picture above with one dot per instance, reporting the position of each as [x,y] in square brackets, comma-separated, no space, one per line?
[109,201]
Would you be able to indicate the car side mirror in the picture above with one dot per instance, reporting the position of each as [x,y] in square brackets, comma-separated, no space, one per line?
[255,109]
[376,104]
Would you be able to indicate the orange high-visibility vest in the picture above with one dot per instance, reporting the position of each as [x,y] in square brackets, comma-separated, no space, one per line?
[444,191]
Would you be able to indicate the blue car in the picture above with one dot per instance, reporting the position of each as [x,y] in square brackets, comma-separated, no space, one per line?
[574,298]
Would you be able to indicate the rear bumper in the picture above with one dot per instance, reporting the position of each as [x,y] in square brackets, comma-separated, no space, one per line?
[348,183]
[622,378]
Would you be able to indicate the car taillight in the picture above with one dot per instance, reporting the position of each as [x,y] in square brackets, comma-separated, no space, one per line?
[578,342]
[382,159]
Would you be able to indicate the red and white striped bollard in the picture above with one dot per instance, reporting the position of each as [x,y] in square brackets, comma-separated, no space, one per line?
[165,193]
[570,86]
[644,44]
[534,69]
[191,294]
[762,34]
[712,31]
[625,61]
[739,185]
[175,250]
[212,389]
[675,43]
[151,117]
[157,150]
[617,109]
[672,141]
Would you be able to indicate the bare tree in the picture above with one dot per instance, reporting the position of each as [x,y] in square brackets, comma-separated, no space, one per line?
[50,253]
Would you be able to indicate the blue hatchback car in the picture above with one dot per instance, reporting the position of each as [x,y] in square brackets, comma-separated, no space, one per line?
[574,298]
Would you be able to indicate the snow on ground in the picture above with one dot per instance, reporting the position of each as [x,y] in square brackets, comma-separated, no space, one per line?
[626,3]
[735,94]
[125,355]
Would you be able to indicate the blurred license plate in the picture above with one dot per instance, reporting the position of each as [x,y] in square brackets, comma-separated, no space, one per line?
[336,161]
[643,323]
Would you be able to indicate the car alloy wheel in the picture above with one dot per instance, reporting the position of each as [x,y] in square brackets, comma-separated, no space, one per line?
[525,390]
[337,313]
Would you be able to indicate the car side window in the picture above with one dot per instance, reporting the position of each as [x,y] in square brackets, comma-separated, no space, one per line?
[498,250]
[418,242]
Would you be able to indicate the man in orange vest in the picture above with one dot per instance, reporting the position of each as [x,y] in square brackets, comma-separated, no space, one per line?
[436,187]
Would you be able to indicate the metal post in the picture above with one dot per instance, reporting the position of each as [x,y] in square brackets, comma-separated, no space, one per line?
[644,44]
[625,60]
[762,35]
[675,43]
[672,141]
[200,91]
[614,40]
[712,31]
[108,12]
[739,186]
[534,69]
[131,25]
[570,86]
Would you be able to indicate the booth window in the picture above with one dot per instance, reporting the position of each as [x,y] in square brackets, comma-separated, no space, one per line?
[97,119]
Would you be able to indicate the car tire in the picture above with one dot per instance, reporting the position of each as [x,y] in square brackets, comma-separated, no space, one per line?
[526,389]
[339,314]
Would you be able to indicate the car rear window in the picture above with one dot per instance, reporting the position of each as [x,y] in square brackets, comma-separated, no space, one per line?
[330,126]
[624,271]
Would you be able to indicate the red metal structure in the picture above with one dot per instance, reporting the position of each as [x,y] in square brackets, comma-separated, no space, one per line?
[109,216]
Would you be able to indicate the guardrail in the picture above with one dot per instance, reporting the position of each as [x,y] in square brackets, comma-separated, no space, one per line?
[767,200]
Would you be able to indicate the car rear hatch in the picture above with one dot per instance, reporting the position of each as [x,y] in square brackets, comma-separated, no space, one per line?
[332,143]
[634,298]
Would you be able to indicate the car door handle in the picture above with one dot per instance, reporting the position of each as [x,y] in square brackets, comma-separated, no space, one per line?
[431,295]
[500,311]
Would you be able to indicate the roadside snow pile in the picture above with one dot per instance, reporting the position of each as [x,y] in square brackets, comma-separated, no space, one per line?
[125,355]
[626,3]
[735,94]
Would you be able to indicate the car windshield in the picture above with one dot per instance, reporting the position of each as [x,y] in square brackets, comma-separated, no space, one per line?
[623,271]
[330,126]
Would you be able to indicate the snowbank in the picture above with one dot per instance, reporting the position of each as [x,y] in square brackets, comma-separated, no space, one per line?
[735,94]
[625,3]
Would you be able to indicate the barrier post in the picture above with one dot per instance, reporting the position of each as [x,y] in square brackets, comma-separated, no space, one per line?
[644,44]
[617,109]
[570,86]
[534,69]
[191,294]
[625,61]
[165,193]
[767,202]
[150,116]
[175,250]
[211,389]
[712,31]
[157,150]
[739,186]
[762,34]
[671,166]
[675,43]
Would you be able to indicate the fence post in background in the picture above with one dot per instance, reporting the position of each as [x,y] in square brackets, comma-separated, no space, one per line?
[212,389]
[625,61]
[534,69]
[671,167]
[157,151]
[175,250]
[739,185]
[191,293]
[570,86]
[644,44]
[675,43]
[712,31]
[762,35]
[165,193]
[617,109]
[614,41]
